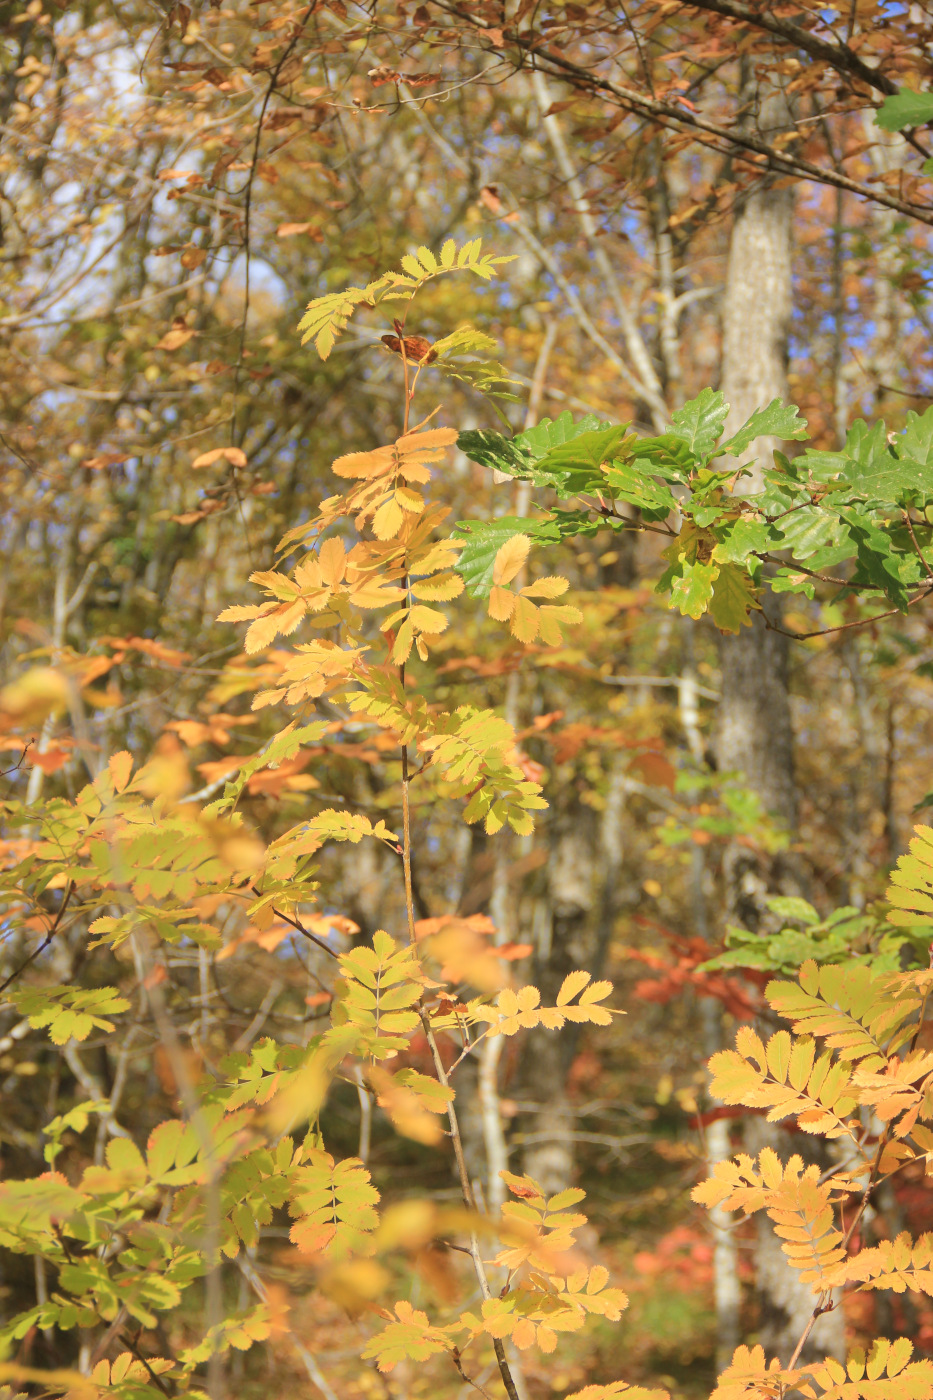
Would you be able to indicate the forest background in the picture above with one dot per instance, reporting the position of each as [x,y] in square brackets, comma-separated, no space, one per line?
[692,197]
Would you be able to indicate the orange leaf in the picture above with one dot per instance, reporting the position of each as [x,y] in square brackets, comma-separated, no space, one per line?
[51,760]
[234,455]
[656,770]
[289,230]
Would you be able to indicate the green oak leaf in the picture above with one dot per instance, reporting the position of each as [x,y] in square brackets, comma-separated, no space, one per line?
[742,538]
[778,420]
[491,449]
[865,453]
[889,480]
[787,581]
[916,441]
[705,512]
[550,433]
[733,599]
[484,540]
[700,422]
[517,455]
[692,588]
[877,562]
[627,482]
[807,530]
[585,450]
[791,906]
[667,456]
[903,109]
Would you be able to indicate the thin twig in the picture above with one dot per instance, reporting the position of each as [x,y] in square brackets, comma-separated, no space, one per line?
[306,932]
[45,942]
[469,1200]
[676,118]
[133,1346]
[455,1357]
[913,539]
[104,1342]
[247,214]
[817,1313]
[846,626]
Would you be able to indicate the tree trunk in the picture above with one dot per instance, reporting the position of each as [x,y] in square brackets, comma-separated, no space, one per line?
[563,945]
[755,735]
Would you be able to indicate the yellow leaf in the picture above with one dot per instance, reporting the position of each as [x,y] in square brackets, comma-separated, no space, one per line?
[207,459]
[551,587]
[440,589]
[234,455]
[79,1387]
[410,500]
[595,992]
[428,620]
[426,445]
[277,584]
[404,1107]
[574,982]
[550,621]
[388,520]
[333,560]
[510,558]
[34,695]
[289,230]
[501,603]
[403,643]
[265,629]
[365,464]
[240,612]
[524,620]
[374,593]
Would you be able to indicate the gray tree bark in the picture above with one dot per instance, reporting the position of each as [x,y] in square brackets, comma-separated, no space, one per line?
[564,944]
[755,734]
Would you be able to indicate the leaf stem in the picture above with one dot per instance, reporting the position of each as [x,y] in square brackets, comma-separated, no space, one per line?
[824,1303]
[406,839]
[408,391]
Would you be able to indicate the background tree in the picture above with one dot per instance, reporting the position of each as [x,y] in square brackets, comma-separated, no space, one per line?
[162,427]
